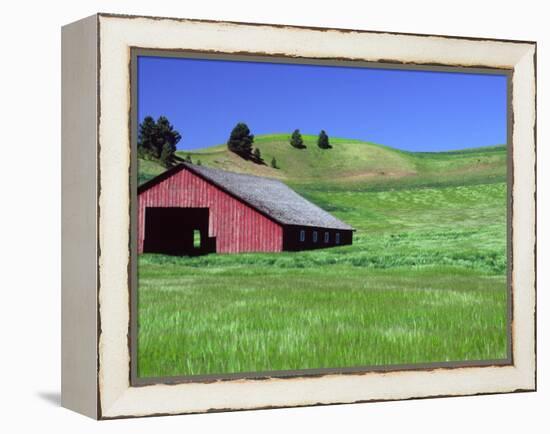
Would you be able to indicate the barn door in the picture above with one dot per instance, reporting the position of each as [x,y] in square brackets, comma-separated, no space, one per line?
[177,231]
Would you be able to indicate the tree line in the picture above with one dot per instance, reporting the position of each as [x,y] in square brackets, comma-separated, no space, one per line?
[157,140]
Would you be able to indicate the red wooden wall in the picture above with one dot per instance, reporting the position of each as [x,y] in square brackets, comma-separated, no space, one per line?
[236,226]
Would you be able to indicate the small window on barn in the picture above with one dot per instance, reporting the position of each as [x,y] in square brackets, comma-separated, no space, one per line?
[314,236]
[337,238]
[302,236]
[327,237]
[197,239]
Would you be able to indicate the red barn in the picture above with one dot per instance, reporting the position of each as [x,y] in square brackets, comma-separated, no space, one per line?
[191,210]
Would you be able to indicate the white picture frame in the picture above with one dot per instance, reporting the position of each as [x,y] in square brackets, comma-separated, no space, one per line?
[96,244]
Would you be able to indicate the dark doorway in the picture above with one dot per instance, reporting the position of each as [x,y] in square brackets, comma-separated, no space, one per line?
[177,231]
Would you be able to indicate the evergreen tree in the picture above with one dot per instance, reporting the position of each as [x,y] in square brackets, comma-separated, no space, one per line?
[296,140]
[167,155]
[188,159]
[274,163]
[153,136]
[323,141]
[199,163]
[166,133]
[146,132]
[240,141]
[257,154]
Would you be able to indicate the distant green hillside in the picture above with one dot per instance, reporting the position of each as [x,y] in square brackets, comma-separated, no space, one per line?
[424,280]
[352,164]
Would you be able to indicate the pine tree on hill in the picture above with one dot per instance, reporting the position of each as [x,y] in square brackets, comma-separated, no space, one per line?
[274,163]
[167,155]
[240,141]
[157,138]
[146,139]
[257,154]
[323,141]
[167,134]
[296,140]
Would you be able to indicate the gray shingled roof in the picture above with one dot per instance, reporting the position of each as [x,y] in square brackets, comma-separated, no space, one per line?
[273,197]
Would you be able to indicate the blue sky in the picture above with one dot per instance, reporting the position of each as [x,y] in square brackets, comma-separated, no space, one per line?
[410,110]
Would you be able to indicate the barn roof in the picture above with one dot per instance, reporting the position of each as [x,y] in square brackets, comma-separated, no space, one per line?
[269,196]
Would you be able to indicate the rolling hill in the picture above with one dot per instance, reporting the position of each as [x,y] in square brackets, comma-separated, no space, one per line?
[424,280]
[352,164]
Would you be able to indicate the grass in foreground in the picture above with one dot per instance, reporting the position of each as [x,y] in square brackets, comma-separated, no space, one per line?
[219,320]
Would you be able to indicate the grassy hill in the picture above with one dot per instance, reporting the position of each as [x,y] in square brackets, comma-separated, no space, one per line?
[424,281]
[352,164]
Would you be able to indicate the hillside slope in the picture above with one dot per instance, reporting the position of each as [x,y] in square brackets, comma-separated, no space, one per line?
[424,280]
[352,164]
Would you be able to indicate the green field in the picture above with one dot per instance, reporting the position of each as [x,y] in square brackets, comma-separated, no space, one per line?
[424,281]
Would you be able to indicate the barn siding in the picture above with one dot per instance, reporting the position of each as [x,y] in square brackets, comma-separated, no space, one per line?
[236,226]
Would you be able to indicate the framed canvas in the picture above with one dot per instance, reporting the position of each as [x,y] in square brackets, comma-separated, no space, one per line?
[262,216]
